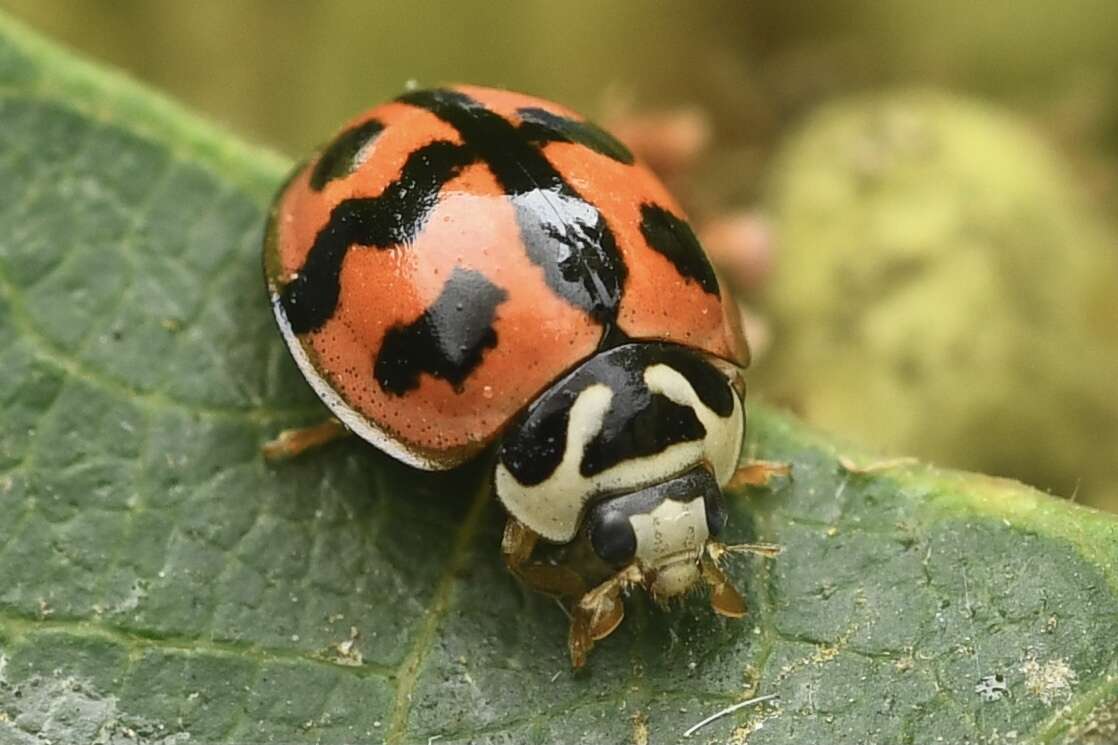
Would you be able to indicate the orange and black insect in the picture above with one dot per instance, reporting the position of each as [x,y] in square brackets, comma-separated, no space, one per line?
[466,266]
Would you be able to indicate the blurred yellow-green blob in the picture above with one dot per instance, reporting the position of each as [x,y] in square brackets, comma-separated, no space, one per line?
[945,290]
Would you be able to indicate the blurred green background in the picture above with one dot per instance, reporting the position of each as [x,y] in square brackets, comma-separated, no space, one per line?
[946,280]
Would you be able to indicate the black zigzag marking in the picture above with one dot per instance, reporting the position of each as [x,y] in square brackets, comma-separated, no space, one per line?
[393,218]
[565,235]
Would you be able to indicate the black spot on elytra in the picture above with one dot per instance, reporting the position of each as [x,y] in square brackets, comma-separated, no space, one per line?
[447,341]
[638,423]
[339,158]
[542,126]
[673,238]
[564,234]
[393,218]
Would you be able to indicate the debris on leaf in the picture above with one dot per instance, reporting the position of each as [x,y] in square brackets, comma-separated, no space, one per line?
[346,652]
[992,687]
[1050,681]
[729,710]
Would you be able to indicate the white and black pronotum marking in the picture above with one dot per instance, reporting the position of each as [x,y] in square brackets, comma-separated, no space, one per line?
[630,421]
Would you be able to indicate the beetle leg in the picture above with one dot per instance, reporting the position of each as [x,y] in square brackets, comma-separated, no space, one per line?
[758,473]
[294,442]
[725,599]
[516,546]
[598,613]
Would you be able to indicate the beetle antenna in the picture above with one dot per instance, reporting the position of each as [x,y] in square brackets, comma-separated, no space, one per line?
[719,550]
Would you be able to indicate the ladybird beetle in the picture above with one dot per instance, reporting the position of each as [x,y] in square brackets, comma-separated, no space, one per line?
[465,268]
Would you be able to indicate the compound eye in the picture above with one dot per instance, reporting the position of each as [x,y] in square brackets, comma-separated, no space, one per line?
[612,536]
[716,513]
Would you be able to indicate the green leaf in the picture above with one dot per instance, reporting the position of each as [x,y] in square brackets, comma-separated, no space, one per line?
[159,581]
